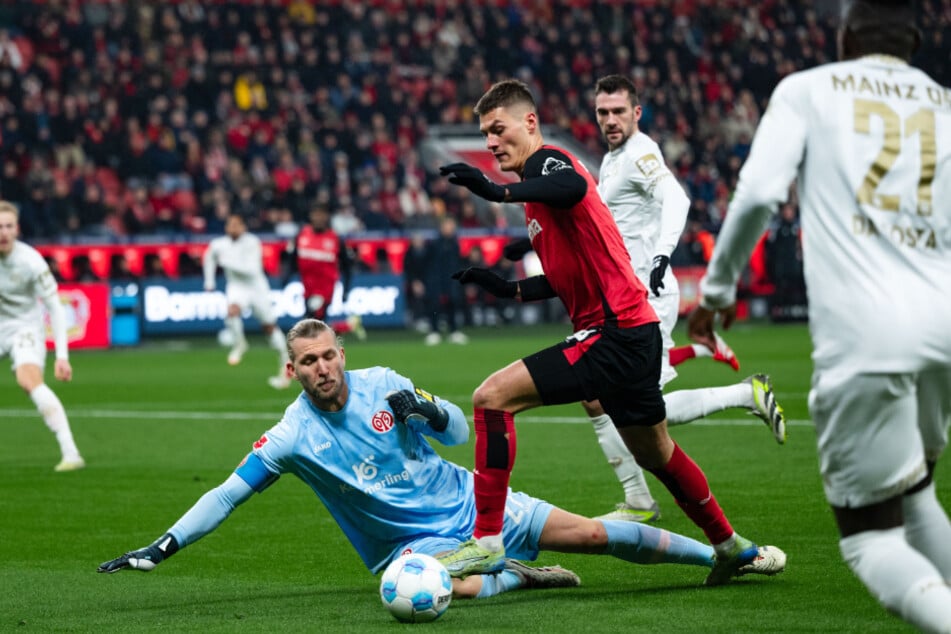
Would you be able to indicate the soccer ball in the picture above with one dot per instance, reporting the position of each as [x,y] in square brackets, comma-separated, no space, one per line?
[416,588]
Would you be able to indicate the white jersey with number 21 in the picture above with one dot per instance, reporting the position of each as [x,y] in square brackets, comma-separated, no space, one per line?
[870,143]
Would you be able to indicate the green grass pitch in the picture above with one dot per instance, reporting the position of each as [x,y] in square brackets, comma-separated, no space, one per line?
[161,424]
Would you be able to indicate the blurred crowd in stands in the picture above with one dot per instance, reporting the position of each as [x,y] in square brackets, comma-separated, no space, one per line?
[127,119]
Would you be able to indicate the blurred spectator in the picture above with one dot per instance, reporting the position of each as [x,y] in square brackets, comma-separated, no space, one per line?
[783,250]
[119,270]
[444,295]
[414,273]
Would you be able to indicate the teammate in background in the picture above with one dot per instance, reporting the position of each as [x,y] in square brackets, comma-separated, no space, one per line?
[614,355]
[650,208]
[404,496]
[25,277]
[321,257]
[868,139]
[238,253]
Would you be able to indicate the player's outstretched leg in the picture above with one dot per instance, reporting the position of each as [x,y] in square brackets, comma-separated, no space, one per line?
[722,353]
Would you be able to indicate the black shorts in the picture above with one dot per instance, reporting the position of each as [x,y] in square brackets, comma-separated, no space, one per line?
[618,366]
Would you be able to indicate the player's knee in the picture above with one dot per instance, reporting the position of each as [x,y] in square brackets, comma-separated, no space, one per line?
[487,395]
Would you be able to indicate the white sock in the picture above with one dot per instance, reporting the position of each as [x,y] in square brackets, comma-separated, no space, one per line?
[54,416]
[491,542]
[684,406]
[236,326]
[701,350]
[900,577]
[630,475]
[279,343]
[927,528]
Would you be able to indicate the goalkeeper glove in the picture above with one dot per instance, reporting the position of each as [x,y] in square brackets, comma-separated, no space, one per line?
[474,180]
[516,249]
[488,280]
[418,406]
[144,559]
[658,272]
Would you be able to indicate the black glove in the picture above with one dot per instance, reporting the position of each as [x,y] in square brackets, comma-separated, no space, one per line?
[661,262]
[418,405]
[516,249]
[488,280]
[144,559]
[474,180]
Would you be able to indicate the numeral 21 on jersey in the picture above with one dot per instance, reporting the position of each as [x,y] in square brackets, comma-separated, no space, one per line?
[921,123]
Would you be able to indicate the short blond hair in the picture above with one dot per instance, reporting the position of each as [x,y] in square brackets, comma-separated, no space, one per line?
[10,208]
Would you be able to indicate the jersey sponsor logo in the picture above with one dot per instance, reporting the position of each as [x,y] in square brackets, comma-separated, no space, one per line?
[368,476]
[553,164]
[260,442]
[534,228]
[382,422]
[649,165]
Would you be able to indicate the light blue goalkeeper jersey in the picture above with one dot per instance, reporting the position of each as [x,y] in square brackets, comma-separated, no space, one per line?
[381,480]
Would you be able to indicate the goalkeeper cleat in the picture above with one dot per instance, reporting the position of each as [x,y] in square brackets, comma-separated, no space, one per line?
[766,407]
[724,354]
[70,464]
[625,512]
[237,352]
[472,559]
[725,567]
[279,382]
[543,576]
[769,561]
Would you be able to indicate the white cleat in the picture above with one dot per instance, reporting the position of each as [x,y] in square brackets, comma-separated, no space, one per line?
[458,338]
[625,512]
[433,339]
[769,561]
[72,464]
[237,352]
[279,382]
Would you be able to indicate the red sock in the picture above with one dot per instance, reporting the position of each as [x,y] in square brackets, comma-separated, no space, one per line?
[681,354]
[687,483]
[341,327]
[494,458]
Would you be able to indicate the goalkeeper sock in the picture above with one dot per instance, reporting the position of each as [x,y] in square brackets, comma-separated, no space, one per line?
[494,457]
[643,544]
[505,581]
[688,484]
[51,409]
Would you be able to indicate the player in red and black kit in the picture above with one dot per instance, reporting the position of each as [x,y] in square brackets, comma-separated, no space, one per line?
[321,257]
[614,354]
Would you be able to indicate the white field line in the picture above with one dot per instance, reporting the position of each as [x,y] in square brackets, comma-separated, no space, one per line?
[264,416]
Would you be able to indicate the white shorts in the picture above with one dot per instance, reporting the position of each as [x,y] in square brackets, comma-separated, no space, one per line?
[875,431]
[667,307]
[26,344]
[254,298]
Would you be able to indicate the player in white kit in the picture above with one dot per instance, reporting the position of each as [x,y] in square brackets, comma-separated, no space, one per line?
[25,278]
[238,253]
[650,208]
[869,141]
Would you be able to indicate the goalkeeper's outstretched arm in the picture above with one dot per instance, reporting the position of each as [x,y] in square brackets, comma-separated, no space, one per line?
[206,515]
